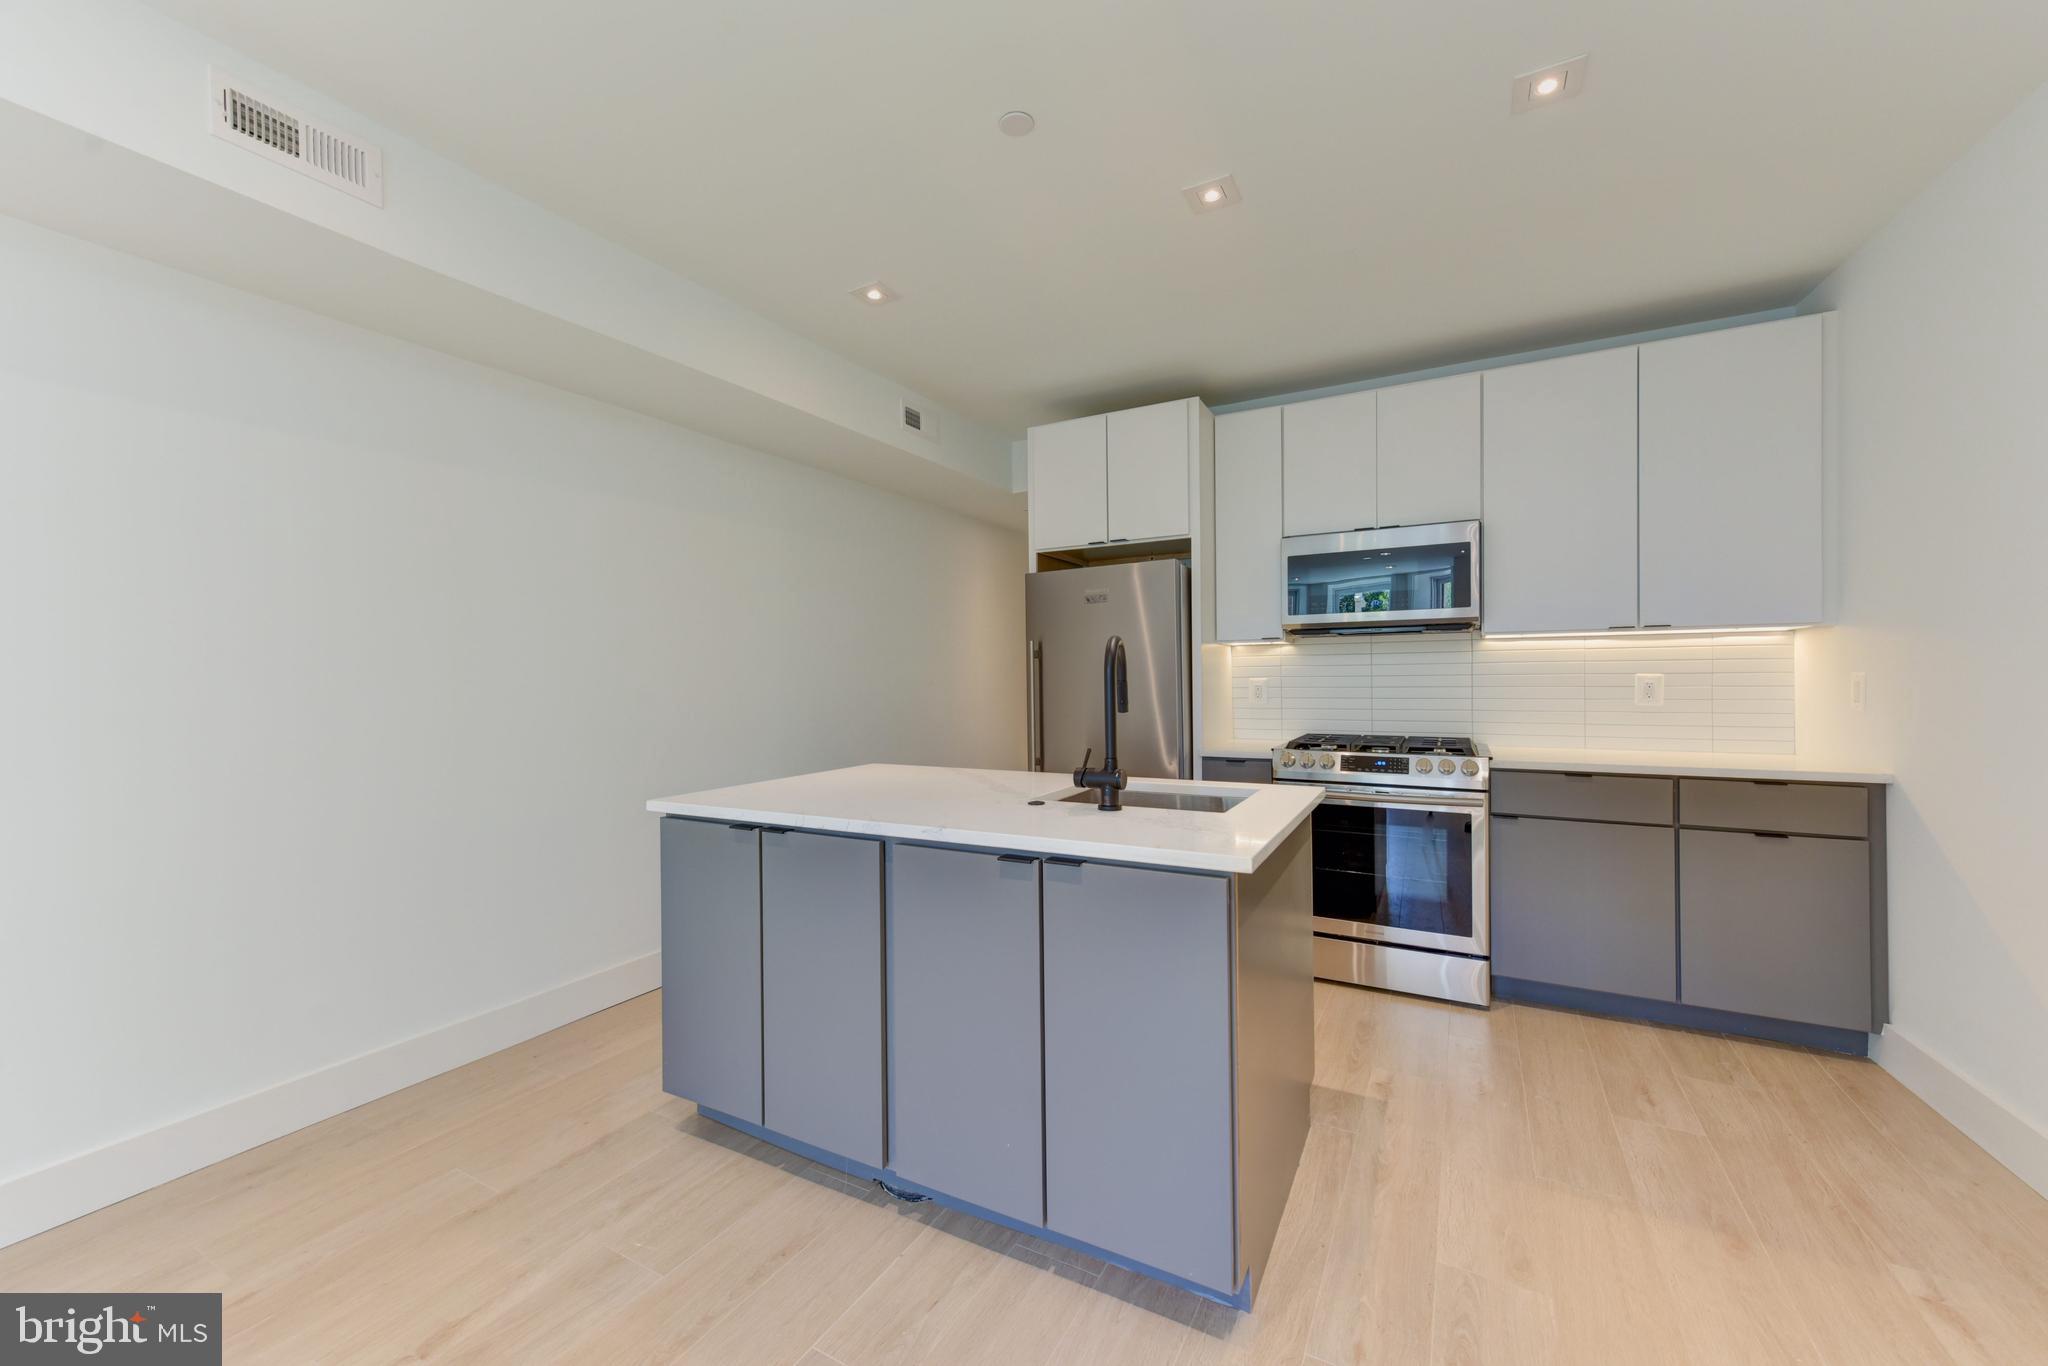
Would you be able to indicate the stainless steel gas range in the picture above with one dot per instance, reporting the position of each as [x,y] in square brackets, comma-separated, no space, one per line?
[1400,860]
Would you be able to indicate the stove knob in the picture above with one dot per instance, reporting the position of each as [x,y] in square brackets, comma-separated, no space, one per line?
[1287,759]
[1424,766]
[1329,761]
[1471,768]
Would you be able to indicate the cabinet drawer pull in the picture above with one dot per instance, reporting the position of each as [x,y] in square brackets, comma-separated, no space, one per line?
[1015,858]
[1770,782]
[1768,835]
[1499,817]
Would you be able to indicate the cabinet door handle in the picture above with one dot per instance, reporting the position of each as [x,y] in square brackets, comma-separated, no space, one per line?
[1118,540]
[1625,626]
[1015,858]
[1500,817]
[743,827]
[776,830]
[1770,782]
[1066,863]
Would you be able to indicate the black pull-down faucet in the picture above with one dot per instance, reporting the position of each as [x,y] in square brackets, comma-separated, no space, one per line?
[1108,781]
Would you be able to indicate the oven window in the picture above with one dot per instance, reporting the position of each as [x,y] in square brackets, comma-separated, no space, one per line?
[1394,866]
[1417,578]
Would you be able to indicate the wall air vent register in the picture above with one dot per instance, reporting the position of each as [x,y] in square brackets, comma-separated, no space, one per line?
[237,114]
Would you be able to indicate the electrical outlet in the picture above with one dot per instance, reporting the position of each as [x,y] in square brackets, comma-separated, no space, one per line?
[1858,690]
[1649,690]
[1258,687]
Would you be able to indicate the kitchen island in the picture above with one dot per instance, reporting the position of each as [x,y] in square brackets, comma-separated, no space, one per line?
[1093,1026]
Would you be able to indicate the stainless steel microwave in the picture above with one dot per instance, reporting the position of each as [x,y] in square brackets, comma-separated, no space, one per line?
[1403,578]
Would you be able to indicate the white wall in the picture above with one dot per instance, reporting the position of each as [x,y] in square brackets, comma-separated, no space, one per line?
[335,673]
[1943,325]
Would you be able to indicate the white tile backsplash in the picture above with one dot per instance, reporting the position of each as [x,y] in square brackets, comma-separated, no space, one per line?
[1727,694]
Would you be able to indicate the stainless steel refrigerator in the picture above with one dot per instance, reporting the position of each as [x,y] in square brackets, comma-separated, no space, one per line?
[1069,616]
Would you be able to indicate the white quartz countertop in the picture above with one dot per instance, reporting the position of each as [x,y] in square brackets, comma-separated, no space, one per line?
[1772,767]
[990,808]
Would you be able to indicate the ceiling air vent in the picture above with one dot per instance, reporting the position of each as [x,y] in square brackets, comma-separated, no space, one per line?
[917,419]
[239,115]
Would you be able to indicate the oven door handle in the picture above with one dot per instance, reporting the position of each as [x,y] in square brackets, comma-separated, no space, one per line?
[1425,801]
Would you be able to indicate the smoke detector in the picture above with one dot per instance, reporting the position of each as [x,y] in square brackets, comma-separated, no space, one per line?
[237,114]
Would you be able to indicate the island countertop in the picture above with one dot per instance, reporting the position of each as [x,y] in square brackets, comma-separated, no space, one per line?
[990,808]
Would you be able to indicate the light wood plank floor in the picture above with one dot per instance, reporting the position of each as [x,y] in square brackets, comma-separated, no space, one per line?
[1521,1186]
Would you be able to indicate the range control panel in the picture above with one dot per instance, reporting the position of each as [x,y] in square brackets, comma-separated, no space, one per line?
[1414,770]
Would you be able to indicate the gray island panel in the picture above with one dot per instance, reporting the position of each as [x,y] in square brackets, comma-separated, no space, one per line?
[964,1060]
[711,964]
[1138,1120]
[821,991]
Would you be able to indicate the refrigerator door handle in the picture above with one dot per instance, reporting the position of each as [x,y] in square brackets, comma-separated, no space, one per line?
[1034,684]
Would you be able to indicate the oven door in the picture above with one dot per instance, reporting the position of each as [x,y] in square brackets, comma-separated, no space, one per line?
[1394,578]
[1403,868]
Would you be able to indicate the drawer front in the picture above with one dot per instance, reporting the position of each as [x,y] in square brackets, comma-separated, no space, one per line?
[1217,770]
[1775,925]
[1789,808]
[1583,797]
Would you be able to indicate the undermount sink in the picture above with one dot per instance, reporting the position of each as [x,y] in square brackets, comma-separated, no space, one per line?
[1169,801]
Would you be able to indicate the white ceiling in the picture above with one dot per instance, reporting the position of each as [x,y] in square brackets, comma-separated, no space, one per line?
[1723,158]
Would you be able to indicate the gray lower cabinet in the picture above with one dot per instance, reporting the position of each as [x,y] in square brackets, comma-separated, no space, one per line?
[821,991]
[1777,925]
[711,965]
[1227,770]
[964,1061]
[1585,904]
[1138,1118]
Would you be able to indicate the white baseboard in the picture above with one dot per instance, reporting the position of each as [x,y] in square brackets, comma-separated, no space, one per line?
[65,1190]
[1965,1104]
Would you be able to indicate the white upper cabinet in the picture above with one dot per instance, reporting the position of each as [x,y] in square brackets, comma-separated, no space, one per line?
[1429,451]
[1114,477]
[1732,476]
[1148,472]
[1558,536]
[1248,560]
[1069,483]
[1329,457]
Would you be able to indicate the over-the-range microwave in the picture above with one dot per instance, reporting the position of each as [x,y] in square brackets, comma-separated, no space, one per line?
[1403,578]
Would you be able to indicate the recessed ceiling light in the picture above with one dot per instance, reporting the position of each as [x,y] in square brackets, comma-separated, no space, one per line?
[1548,85]
[1219,193]
[874,292]
[1016,123]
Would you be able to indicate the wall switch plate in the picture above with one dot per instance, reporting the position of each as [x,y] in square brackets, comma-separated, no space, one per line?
[1258,689]
[1858,690]
[1649,690]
